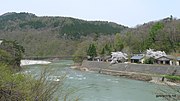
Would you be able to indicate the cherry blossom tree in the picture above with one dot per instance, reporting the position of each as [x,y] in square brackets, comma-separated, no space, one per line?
[118,57]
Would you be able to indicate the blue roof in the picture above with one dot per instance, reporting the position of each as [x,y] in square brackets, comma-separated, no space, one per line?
[137,57]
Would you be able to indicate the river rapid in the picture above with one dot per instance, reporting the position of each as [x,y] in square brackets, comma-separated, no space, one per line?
[91,86]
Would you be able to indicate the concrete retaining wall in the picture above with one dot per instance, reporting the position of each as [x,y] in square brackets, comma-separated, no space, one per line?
[139,68]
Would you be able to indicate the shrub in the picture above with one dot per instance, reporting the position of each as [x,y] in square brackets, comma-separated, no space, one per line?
[21,87]
[149,61]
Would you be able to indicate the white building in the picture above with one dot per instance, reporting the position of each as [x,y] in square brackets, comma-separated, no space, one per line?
[138,58]
[1,41]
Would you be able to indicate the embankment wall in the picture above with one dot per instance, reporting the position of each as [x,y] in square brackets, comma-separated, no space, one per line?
[138,68]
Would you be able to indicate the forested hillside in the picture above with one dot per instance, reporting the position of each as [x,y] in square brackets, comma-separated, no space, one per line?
[64,36]
[161,35]
[51,36]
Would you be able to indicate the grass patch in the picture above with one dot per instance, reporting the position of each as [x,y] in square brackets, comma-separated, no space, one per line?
[172,77]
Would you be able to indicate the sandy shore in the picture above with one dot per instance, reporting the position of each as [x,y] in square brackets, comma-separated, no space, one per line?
[33,62]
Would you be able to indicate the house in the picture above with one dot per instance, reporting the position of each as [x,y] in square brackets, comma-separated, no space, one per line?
[166,60]
[98,58]
[137,59]
[178,61]
[107,58]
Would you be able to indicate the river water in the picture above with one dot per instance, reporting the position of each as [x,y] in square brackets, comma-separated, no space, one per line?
[92,86]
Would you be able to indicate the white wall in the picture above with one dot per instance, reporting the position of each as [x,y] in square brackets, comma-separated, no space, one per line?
[177,63]
[1,41]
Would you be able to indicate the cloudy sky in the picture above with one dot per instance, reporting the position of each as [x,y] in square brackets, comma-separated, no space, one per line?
[126,12]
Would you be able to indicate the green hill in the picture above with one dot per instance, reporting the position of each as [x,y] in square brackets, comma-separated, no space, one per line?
[63,25]
[51,36]
[161,35]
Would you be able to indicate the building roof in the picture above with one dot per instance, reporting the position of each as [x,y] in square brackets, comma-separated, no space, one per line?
[164,58]
[107,57]
[137,57]
[169,57]
[97,57]
[178,58]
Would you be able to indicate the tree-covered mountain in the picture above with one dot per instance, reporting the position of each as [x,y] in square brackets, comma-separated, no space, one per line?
[52,36]
[71,27]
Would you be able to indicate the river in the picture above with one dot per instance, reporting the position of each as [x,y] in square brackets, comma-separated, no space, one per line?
[92,86]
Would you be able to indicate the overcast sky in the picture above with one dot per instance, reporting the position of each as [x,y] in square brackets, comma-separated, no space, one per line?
[126,12]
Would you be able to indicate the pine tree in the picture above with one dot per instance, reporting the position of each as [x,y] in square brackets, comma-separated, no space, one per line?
[92,51]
